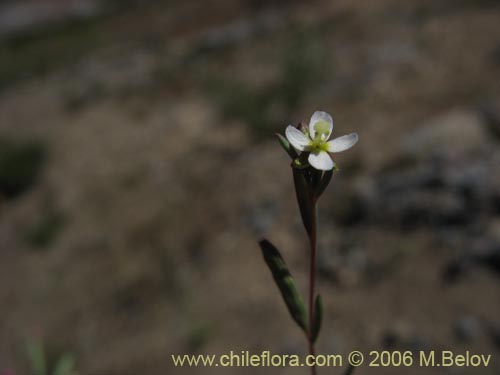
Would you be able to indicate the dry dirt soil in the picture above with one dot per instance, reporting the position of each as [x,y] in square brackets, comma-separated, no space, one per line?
[138,237]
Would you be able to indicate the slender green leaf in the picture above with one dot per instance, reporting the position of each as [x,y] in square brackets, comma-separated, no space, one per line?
[65,365]
[318,318]
[304,199]
[323,183]
[287,146]
[37,357]
[285,283]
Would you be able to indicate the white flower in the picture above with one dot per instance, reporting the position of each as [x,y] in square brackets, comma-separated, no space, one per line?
[316,142]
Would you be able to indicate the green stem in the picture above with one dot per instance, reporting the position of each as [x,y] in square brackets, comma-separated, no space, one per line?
[312,277]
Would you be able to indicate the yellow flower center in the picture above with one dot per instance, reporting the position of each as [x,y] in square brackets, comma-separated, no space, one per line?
[322,128]
[318,144]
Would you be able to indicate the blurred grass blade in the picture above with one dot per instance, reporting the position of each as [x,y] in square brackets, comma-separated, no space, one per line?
[318,318]
[37,357]
[65,365]
[323,183]
[303,197]
[285,282]
[350,370]
[287,146]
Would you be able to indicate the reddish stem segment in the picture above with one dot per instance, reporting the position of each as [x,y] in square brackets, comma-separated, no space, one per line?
[312,280]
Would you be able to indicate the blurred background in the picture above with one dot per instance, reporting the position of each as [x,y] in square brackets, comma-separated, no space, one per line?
[139,168]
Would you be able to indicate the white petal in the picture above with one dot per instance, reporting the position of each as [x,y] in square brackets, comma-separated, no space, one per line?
[321,160]
[342,143]
[297,139]
[322,117]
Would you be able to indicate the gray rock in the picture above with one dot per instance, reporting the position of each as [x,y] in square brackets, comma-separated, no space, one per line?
[468,328]
[420,195]
[452,181]
[494,333]
[261,217]
[417,343]
[334,344]
[23,15]
[491,116]
[452,134]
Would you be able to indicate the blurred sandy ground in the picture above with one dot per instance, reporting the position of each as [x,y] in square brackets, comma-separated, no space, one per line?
[138,169]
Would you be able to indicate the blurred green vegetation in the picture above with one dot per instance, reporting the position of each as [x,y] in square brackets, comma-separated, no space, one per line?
[38,52]
[235,99]
[198,336]
[54,45]
[54,362]
[43,232]
[303,65]
[21,161]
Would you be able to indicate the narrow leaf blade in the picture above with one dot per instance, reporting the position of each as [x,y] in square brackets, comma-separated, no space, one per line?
[302,191]
[36,355]
[65,366]
[318,318]
[315,178]
[285,283]
[323,183]
[287,146]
